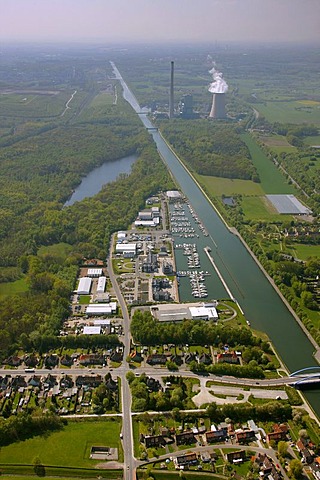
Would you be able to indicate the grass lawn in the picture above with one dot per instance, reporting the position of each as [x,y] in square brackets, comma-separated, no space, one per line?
[13,288]
[314,140]
[305,251]
[68,447]
[290,112]
[272,180]
[84,299]
[257,208]
[217,186]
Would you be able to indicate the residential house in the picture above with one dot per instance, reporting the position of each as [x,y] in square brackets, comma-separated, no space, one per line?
[228,357]
[279,432]
[157,359]
[116,356]
[267,467]
[31,361]
[13,361]
[215,436]
[49,381]
[237,456]
[187,459]
[88,380]
[51,360]
[18,382]
[66,360]
[154,441]
[66,382]
[307,456]
[92,359]
[185,438]
[205,359]
[34,381]
[243,436]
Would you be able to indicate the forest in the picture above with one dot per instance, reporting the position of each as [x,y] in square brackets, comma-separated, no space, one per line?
[42,160]
[210,148]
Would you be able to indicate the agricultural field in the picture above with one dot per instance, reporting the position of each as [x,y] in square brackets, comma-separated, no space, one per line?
[299,111]
[69,447]
[272,180]
[218,186]
[277,143]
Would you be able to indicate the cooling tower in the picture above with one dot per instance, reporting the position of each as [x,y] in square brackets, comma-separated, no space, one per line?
[218,106]
[171,98]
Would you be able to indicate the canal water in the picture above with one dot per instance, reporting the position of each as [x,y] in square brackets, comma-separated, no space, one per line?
[258,299]
[98,177]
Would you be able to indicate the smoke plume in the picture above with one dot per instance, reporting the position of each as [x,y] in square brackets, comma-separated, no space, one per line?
[219,85]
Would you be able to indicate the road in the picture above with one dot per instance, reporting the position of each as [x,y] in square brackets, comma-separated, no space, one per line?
[127,434]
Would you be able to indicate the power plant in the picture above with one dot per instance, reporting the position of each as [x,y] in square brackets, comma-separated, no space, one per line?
[171,98]
[218,109]
[218,87]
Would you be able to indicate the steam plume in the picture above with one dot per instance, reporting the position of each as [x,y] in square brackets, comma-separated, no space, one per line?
[219,85]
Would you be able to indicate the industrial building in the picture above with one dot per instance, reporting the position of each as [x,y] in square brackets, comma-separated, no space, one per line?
[101,284]
[101,308]
[84,286]
[186,107]
[178,312]
[88,330]
[288,204]
[126,249]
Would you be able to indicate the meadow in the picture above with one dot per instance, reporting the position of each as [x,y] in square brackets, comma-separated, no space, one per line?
[272,180]
[297,111]
[217,186]
[69,447]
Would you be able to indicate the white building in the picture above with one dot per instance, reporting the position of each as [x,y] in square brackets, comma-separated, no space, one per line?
[84,286]
[101,284]
[91,330]
[94,272]
[204,313]
[130,249]
[101,308]
[121,235]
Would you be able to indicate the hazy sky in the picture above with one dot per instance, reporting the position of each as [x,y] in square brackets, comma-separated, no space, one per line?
[160,20]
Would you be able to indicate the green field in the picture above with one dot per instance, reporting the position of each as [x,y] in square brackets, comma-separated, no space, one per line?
[257,208]
[69,447]
[305,251]
[13,288]
[30,105]
[217,186]
[298,111]
[272,181]
[315,140]
[277,143]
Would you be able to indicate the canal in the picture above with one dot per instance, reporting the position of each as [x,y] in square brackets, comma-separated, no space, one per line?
[258,299]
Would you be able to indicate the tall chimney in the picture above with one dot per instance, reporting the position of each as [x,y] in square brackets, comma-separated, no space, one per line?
[171,98]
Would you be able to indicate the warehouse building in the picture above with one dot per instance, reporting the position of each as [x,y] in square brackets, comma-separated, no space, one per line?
[88,330]
[101,284]
[178,312]
[84,286]
[126,249]
[101,308]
